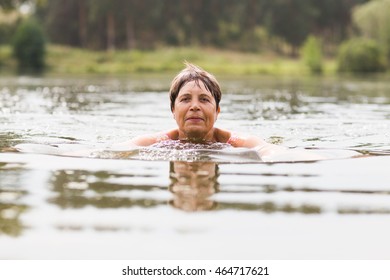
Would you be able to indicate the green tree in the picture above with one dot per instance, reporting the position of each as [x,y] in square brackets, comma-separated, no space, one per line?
[333,23]
[291,20]
[61,21]
[312,54]
[29,46]
[360,55]
[244,25]
[373,20]
[11,4]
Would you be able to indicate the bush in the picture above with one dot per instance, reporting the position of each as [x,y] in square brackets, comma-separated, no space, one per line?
[29,46]
[312,54]
[8,23]
[372,20]
[361,55]
[4,33]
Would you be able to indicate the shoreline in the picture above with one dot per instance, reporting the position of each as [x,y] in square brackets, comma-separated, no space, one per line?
[165,60]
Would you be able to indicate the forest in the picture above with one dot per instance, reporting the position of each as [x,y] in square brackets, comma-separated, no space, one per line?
[254,26]
[247,25]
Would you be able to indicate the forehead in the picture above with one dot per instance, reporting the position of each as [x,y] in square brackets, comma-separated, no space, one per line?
[194,87]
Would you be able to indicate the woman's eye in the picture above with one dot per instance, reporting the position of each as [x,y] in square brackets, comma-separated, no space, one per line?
[204,99]
[185,99]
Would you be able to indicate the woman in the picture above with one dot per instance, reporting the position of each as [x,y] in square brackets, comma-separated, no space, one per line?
[195,95]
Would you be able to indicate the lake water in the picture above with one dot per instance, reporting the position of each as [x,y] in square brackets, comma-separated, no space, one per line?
[188,204]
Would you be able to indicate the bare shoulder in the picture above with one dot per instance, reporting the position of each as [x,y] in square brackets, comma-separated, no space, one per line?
[245,140]
[222,135]
[172,134]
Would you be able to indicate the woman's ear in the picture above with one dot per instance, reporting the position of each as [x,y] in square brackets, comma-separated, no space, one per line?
[218,111]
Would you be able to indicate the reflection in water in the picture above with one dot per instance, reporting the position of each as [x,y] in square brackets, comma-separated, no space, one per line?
[10,223]
[8,139]
[78,189]
[10,207]
[189,186]
[192,184]
[272,207]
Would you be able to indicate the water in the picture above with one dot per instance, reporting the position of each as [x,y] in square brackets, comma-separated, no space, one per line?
[204,202]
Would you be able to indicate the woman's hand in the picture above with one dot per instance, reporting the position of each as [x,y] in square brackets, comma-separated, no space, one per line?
[275,153]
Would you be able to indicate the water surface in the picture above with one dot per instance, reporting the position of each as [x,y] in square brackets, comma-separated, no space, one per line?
[194,204]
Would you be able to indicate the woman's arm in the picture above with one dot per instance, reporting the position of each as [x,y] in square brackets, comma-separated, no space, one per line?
[147,140]
[271,152]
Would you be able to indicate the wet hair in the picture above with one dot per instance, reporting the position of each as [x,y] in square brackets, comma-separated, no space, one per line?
[194,73]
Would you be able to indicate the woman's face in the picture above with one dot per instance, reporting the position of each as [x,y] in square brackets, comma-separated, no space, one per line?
[195,112]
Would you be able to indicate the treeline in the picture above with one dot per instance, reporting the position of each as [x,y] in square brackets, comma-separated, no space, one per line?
[246,25]
[354,32]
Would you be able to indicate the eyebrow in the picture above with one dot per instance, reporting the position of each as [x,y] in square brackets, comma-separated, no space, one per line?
[201,94]
[184,94]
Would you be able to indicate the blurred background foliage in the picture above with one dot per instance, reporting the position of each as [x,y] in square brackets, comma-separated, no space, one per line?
[310,29]
[112,24]
[29,46]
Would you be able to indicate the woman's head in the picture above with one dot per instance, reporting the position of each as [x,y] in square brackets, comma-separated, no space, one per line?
[196,74]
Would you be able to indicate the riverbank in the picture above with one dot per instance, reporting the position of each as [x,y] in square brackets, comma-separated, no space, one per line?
[66,60]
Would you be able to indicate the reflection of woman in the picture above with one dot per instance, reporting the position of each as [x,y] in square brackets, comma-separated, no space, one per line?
[195,95]
[192,183]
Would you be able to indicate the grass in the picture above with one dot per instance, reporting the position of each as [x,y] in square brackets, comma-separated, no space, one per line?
[67,60]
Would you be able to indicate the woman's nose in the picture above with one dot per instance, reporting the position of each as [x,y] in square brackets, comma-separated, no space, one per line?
[195,105]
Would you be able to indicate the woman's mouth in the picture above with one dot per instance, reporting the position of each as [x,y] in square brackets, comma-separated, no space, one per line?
[194,119]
